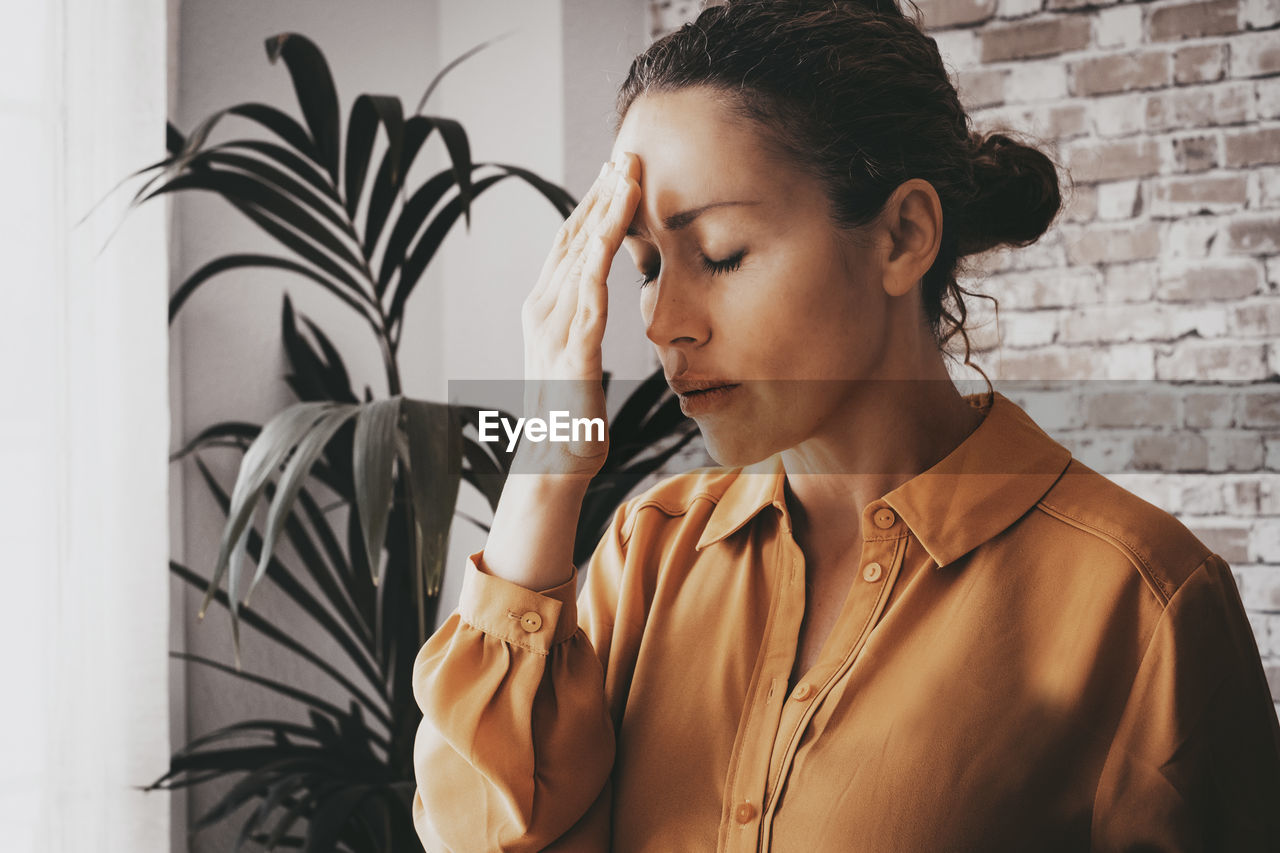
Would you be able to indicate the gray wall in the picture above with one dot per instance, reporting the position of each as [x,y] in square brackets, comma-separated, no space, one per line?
[541,97]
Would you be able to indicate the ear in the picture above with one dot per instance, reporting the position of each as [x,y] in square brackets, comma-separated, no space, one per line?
[912,223]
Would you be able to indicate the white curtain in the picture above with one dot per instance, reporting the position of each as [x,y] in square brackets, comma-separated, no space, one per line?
[84,431]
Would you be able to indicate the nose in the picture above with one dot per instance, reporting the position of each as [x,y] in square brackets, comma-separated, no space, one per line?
[673,313]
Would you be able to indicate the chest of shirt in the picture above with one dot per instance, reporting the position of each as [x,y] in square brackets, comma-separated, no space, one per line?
[972,702]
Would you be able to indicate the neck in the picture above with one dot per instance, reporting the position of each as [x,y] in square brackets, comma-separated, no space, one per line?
[883,434]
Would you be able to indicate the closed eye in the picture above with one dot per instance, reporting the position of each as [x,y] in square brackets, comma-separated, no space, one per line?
[729,264]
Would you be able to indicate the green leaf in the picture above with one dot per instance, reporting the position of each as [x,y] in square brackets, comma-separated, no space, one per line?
[286,160]
[372,459]
[455,141]
[280,181]
[285,641]
[383,195]
[232,262]
[435,471]
[313,84]
[428,244]
[361,656]
[268,450]
[557,195]
[237,432]
[366,114]
[237,187]
[332,816]
[295,471]
[412,215]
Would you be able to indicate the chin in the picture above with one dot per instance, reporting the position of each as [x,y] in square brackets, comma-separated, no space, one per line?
[737,450]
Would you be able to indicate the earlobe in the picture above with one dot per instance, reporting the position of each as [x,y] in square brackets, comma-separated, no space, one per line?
[913,217]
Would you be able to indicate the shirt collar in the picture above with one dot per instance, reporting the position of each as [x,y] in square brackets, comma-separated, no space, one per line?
[978,490]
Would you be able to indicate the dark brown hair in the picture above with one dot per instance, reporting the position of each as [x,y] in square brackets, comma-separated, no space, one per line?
[855,94]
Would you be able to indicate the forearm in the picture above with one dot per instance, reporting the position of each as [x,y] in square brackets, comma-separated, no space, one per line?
[534,527]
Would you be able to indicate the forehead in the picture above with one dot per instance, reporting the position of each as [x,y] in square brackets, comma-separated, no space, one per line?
[690,143]
[688,133]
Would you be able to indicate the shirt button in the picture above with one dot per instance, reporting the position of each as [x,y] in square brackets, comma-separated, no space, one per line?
[884,518]
[802,692]
[871,572]
[531,621]
[744,813]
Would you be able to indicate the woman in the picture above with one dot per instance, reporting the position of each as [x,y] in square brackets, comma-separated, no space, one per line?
[895,617]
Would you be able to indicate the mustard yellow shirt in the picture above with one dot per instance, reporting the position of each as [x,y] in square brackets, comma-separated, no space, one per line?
[1031,659]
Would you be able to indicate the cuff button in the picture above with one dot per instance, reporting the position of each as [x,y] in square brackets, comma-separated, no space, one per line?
[531,621]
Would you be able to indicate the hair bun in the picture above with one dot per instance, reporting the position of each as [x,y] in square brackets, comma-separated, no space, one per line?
[1017,195]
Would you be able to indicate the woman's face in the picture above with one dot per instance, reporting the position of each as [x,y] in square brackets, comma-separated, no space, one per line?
[758,287]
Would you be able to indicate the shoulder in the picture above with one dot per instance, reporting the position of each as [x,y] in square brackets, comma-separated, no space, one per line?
[1088,508]
[687,498]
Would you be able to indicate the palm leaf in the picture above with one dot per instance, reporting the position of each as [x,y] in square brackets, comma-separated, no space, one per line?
[298,467]
[264,456]
[366,114]
[246,261]
[313,85]
[372,460]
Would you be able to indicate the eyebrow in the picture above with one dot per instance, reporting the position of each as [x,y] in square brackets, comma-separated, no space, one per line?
[684,219]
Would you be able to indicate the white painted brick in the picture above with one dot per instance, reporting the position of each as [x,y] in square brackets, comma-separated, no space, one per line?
[1018,8]
[1194,237]
[1211,360]
[1201,495]
[1273,274]
[1138,322]
[1271,447]
[1118,115]
[1037,81]
[1117,199]
[959,48]
[1259,586]
[1056,410]
[1264,186]
[1259,14]
[1134,282]
[1156,488]
[1240,497]
[1118,26]
[1269,494]
[1255,54]
[1264,541]
[1029,328]
[1266,97]
[1129,361]
[1105,451]
[1234,450]
[1046,288]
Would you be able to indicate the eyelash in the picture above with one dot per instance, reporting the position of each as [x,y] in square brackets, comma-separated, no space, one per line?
[714,267]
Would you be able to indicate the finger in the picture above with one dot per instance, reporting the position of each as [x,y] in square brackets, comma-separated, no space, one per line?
[608,227]
[590,222]
[561,285]
[592,313]
[570,228]
[560,314]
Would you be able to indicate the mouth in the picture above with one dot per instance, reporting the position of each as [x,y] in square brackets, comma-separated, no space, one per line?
[694,387]
[704,391]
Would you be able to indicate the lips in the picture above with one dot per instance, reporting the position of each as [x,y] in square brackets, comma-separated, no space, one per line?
[694,386]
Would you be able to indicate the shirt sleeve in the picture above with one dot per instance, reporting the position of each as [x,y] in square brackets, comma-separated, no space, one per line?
[516,743]
[1195,762]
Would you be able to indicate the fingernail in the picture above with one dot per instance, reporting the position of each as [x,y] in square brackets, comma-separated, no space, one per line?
[605,169]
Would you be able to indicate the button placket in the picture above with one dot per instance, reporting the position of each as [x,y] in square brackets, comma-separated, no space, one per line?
[810,705]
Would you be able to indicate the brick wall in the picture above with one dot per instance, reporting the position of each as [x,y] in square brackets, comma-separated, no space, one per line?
[1143,330]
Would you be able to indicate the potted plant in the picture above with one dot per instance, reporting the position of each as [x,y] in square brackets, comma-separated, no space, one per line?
[351,224]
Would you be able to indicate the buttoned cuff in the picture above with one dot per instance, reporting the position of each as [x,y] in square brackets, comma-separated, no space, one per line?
[534,620]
